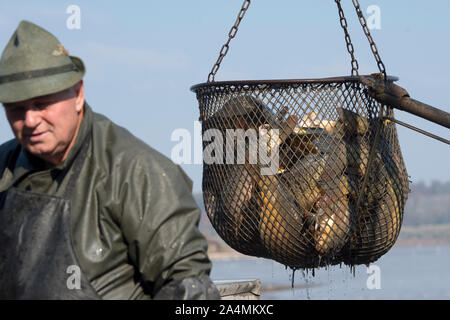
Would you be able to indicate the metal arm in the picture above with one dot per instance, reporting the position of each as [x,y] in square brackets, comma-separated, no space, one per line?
[397,97]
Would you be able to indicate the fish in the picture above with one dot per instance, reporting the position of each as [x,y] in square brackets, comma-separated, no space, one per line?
[295,147]
[273,138]
[357,152]
[228,192]
[245,112]
[350,123]
[311,120]
[379,225]
[352,183]
[389,209]
[331,224]
[334,150]
[280,222]
[381,210]
[302,179]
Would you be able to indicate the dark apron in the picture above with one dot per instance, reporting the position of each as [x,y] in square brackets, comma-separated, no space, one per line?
[37,258]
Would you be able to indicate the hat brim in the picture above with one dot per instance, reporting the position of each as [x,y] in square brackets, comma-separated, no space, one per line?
[22,90]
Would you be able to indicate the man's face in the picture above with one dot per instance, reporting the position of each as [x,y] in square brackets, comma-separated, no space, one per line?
[46,126]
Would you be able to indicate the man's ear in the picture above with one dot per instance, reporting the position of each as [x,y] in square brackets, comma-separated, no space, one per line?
[79,91]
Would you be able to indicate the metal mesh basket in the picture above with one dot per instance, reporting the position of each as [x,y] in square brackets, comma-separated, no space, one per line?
[337,191]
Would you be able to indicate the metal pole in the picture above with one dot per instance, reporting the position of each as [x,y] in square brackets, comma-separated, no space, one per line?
[425,111]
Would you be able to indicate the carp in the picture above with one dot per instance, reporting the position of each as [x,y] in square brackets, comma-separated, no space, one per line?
[302,179]
[357,153]
[244,112]
[350,123]
[331,223]
[280,223]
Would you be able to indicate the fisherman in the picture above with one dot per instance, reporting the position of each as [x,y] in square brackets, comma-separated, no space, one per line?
[87,211]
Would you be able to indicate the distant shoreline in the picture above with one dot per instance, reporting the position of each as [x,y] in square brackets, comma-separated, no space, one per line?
[422,242]
[228,254]
[410,236]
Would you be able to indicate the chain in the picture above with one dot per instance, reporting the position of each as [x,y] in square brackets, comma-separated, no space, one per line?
[348,40]
[373,47]
[226,46]
[355,66]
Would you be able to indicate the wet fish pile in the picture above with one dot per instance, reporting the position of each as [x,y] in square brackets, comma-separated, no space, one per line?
[338,194]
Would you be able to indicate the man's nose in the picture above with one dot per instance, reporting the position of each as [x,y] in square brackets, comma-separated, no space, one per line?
[32,117]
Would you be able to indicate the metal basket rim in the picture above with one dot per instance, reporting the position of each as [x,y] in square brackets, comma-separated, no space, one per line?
[339,79]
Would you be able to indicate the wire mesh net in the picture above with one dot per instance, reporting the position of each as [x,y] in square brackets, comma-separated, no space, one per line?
[304,172]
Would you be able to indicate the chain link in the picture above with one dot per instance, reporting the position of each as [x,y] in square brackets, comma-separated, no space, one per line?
[231,35]
[343,21]
[348,40]
[373,47]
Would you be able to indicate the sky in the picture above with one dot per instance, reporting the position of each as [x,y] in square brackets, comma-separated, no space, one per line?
[142,57]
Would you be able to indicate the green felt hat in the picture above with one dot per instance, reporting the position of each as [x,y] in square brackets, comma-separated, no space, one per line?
[34,63]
